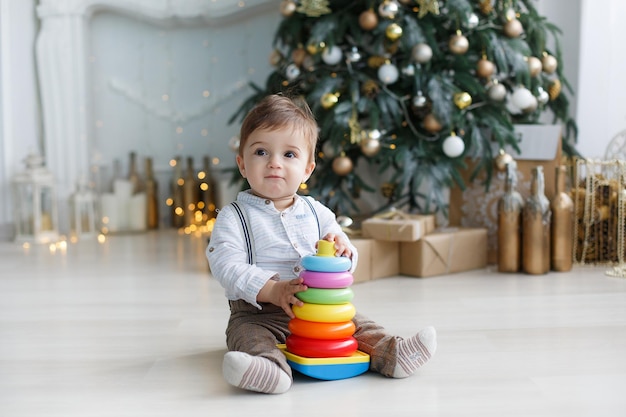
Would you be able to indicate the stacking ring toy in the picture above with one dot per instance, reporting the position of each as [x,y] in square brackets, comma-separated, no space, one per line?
[327,279]
[329,369]
[326,295]
[316,330]
[325,313]
[326,263]
[318,348]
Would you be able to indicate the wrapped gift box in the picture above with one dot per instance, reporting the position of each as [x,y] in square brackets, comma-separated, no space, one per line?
[385,259]
[363,271]
[540,145]
[444,252]
[404,228]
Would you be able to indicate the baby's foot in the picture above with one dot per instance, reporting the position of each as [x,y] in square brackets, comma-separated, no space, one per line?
[254,373]
[415,352]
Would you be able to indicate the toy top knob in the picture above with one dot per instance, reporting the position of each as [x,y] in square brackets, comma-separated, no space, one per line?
[325,248]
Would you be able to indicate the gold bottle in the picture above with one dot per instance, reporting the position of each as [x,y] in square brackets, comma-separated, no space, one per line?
[177,194]
[510,208]
[190,194]
[152,197]
[562,208]
[536,227]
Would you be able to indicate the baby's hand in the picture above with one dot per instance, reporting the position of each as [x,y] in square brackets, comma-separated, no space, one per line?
[341,246]
[282,294]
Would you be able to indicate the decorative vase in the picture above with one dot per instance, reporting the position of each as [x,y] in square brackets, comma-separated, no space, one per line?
[562,207]
[510,208]
[536,221]
[152,197]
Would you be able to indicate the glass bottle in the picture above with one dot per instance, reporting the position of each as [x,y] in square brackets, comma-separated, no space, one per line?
[177,194]
[152,196]
[536,227]
[133,173]
[190,193]
[510,208]
[562,207]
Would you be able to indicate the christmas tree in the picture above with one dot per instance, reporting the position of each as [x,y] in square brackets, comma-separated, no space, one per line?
[412,88]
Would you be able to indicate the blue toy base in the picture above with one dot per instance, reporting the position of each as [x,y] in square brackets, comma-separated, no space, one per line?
[328,369]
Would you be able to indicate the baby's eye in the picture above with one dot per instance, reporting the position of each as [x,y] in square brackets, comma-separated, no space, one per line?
[290,154]
[260,152]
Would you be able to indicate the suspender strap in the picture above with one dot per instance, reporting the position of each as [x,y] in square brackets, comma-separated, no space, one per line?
[319,228]
[244,222]
[247,232]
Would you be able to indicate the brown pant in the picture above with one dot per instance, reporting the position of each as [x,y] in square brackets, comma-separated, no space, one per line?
[257,332]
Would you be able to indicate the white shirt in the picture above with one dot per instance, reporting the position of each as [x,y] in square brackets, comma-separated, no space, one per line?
[281,239]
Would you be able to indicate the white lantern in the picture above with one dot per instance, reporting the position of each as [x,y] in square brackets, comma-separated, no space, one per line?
[83,212]
[35,203]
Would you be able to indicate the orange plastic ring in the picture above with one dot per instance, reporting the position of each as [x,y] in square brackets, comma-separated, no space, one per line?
[315,330]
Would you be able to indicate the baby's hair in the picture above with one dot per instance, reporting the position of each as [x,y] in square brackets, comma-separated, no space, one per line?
[278,111]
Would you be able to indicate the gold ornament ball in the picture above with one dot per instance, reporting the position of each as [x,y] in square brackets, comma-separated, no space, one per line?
[513,28]
[501,161]
[393,32]
[342,165]
[485,6]
[368,20]
[431,124]
[328,100]
[458,44]
[462,100]
[554,90]
[298,56]
[485,68]
[314,48]
[549,63]
[288,7]
[534,66]
[370,146]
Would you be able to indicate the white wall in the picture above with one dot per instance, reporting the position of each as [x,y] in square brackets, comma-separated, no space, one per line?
[601,105]
[19,112]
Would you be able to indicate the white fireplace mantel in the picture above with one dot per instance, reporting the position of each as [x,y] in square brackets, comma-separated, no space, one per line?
[62,64]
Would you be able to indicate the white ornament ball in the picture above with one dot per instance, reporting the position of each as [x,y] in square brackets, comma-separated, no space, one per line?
[292,72]
[388,73]
[422,53]
[523,99]
[453,146]
[497,92]
[472,21]
[332,55]
[354,55]
[543,96]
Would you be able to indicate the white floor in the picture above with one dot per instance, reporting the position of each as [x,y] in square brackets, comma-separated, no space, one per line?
[135,327]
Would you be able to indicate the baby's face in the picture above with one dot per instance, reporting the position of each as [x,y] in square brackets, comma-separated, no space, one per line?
[275,163]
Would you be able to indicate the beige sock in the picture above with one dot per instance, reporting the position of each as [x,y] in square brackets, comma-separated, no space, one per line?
[254,373]
[415,352]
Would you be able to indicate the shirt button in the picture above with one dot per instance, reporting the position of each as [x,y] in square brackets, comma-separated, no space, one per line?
[296,269]
[211,249]
[295,245]
[267,201]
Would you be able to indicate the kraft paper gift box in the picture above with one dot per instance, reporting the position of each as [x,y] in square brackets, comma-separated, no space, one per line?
[540,145]
[385,259]
[444,252]
[363,271]
[401,228]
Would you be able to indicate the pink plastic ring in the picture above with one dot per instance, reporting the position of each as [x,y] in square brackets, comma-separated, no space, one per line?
[327,279]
